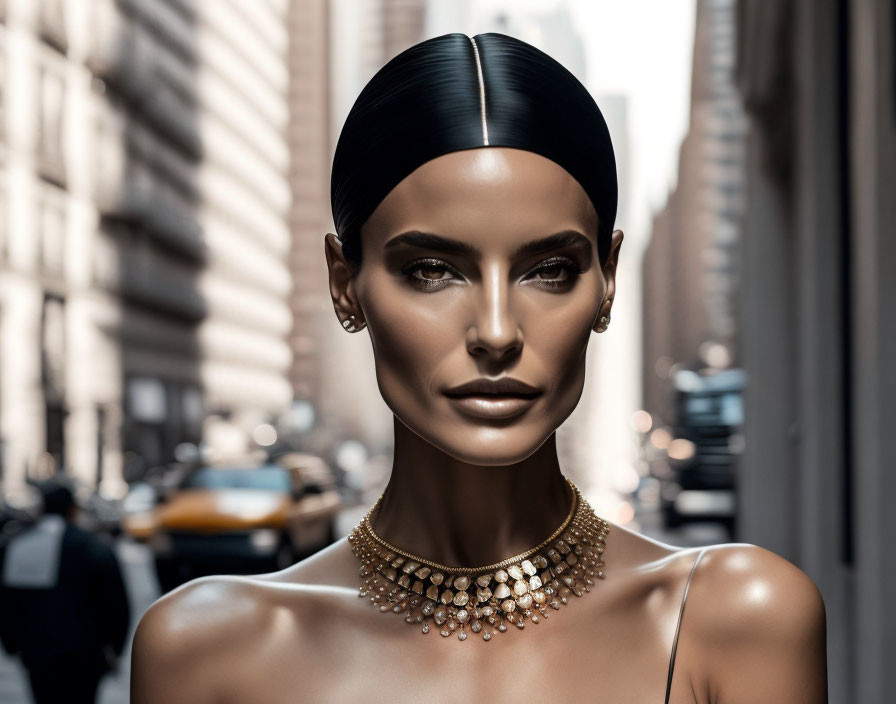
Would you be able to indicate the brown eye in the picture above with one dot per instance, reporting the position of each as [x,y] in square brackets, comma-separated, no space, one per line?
[429,273]
[554,271]
[432,273]
[558,273]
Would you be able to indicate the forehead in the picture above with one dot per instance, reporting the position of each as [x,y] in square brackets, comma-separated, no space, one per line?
[489,196]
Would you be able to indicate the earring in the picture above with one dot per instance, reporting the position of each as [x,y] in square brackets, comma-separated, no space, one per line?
[352,325]
[604,322]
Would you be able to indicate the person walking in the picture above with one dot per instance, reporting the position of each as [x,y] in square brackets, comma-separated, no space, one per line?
[64,609]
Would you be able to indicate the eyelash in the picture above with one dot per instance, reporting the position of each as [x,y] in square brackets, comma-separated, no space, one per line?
[572,270]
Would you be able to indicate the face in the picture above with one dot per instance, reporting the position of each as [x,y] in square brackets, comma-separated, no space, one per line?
[481,265]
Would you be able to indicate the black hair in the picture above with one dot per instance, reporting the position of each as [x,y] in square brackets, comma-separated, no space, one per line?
[58,497]
[429,100]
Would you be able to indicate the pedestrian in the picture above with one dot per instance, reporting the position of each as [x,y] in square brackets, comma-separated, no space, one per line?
[63,606]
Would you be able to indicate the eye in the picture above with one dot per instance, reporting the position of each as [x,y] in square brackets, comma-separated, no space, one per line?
[559,272]
[430,273]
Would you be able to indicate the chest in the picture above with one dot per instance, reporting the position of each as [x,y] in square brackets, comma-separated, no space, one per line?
[578,654]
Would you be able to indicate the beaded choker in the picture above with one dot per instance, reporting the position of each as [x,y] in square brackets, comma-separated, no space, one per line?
[483,599]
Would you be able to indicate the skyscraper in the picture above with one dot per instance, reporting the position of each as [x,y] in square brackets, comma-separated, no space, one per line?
[143,269]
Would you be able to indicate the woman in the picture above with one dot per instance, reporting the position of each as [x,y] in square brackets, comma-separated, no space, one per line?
[474,193]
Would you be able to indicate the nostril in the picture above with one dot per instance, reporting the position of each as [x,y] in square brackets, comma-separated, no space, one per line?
[495,339]
[495,348]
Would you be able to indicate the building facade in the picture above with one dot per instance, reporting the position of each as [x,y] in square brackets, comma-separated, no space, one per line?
[817,323]
[800,228]
[690,266]
[335,48]
[145,201]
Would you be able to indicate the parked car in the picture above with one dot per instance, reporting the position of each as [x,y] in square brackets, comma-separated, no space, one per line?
[701,487]
[239,518]
[138,507]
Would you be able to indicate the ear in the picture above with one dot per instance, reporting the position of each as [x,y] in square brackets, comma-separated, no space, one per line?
[342,278]
[609,272]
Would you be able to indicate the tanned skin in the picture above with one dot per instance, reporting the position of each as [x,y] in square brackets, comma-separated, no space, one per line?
[472,491]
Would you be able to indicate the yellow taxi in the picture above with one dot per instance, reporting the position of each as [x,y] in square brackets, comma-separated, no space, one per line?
[238,518]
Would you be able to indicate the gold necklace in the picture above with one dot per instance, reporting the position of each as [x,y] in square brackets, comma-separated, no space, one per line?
[483,599]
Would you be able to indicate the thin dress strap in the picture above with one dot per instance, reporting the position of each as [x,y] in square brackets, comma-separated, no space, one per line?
[684,598]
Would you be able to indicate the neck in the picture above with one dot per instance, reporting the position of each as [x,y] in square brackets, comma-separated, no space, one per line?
[462,514]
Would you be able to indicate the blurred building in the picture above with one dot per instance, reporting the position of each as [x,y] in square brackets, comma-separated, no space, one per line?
[596,445]
[143,229]
[335,48]
[690,264]
[818,330]
[310,218]
[786,229]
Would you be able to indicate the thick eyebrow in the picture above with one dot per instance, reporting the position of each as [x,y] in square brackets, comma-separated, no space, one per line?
[567,238]
[427,240]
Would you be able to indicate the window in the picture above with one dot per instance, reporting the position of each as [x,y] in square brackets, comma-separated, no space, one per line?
[53,346]
[51,224]
[109,176]
[106,259]
[3,80]
[148,400]
[4,226]
[269,478]
[50,123]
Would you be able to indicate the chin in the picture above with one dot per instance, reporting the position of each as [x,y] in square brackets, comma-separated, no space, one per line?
[486,445]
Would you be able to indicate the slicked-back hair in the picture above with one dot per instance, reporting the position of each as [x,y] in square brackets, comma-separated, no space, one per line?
[456,92]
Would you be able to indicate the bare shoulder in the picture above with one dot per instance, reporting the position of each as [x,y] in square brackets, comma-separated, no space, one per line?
[756,593]
[189,634]
[207,637]
[758,623]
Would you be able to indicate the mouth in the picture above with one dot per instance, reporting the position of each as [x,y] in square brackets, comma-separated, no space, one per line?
[505,386]
[491,407]
[493,398]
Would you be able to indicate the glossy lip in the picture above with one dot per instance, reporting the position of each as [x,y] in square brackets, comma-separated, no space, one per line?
[493,398]
[491,407]
[505,386]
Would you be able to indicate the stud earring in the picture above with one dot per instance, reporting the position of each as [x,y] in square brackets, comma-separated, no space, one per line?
[604,323]
[351,324]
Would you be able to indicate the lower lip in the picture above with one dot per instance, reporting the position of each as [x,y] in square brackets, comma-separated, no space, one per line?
[492,406]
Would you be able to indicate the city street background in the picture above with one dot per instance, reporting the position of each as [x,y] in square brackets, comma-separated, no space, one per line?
[164,308]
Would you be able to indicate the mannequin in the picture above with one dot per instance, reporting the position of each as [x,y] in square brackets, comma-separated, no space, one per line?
[486,262]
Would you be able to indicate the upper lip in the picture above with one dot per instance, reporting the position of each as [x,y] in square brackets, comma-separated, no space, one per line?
[505,386]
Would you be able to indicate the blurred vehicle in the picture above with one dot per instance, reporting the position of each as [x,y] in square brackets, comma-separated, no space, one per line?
[703,456]
[236,518]
[138,510]
[98,514]
[155,485]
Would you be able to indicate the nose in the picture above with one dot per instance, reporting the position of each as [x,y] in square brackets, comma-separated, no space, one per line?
[495,330]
